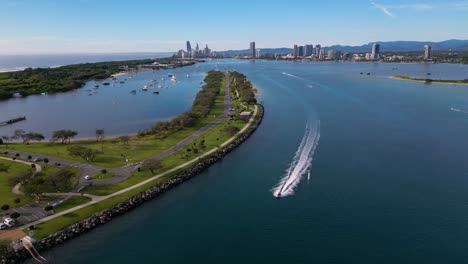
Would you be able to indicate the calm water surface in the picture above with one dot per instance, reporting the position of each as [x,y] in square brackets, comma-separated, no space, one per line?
[389,184]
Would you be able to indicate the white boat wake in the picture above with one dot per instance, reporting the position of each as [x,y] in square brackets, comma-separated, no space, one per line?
[301,162]
[458,110]
[290,75]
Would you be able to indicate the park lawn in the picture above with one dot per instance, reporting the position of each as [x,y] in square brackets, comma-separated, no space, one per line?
[44,229]
[71,202]
[103,176]
[213,138]
[6,194]
[114,151]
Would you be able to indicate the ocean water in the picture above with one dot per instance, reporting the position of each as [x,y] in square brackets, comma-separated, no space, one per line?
[389,180]
[20,62]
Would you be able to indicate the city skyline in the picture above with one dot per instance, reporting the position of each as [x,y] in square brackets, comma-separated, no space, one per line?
[144,28]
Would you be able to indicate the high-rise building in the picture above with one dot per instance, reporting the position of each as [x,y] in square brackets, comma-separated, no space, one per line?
[300,51]
[295,51]
[258,53]
[317,50]
[427,52]
[189,48]
[252,50]
[321,55]
[337,55]
[375,55]
[207,51]
[309,50]
[331,55]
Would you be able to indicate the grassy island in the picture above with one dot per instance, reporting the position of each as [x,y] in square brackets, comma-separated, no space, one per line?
[429,80]
[61,79]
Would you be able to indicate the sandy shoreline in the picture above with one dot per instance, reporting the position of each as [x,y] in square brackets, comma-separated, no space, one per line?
[119,74]
[422,81]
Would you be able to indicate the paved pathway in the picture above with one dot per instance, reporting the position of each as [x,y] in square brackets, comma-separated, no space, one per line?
[16,188]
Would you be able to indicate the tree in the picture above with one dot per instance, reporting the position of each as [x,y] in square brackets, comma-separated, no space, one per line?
[5,139]
[125,139]
[152,165]
[33,136]
[63,135]
[5,207]
[18,133]
[19,177]
[231,130]
[15,215]
[86,153]
[48,208]
[4,167]
[99,134]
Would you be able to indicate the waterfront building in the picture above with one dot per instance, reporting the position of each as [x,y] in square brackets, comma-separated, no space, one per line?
[207,51]
[189,49]
[300,51]
[331,55]
[309,50]
[427,52]
[258,53]
[252,50]
[181,54]
[375,55]
[317,50]
[368,56]
[321,55]
[295,52]
[337,55]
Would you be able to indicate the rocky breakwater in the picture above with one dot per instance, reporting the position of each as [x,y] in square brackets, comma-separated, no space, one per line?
[107,215]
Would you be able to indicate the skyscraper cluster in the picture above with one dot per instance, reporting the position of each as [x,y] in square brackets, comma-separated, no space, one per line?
[190,53]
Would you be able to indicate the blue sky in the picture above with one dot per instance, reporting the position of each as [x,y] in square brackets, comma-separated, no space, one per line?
[78,26]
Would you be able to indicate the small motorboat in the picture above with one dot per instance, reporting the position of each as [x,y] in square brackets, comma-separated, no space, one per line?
[96,86]
[145,88]
[106,83]
[155,92]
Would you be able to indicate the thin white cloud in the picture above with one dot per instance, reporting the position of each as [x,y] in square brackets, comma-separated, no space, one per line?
[383,8]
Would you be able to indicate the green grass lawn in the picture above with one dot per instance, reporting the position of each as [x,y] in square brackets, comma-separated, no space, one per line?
[103,176]
[71,202]
[54,225]
[6,194]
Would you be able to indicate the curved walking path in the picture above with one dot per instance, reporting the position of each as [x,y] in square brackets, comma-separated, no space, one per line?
[16,188]
[102,198]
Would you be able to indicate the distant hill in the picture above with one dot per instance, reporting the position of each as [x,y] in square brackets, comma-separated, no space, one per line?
[385,46]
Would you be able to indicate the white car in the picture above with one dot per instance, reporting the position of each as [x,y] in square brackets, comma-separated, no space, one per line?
[9,222]
[3,226]
[87,177]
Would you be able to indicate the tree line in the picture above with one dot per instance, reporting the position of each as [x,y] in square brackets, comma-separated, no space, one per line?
[201,107]
[244,87]
[61,79]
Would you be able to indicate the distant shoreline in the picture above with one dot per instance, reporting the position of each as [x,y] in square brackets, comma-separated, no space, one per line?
[429,80]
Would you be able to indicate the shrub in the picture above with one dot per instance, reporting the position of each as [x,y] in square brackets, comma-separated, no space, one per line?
[46,160]
[15,215]
[33,166]
[5,207]
[49,208]
[103,171]
[29,157]
[17,200]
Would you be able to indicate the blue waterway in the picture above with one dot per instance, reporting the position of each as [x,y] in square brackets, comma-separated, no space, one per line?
[389,184]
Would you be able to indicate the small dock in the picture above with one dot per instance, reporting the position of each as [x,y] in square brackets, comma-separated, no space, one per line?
[14,120]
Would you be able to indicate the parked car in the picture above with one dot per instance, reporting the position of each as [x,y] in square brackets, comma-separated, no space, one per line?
[9,222]
[87,177]
[37,159]
[3,226]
